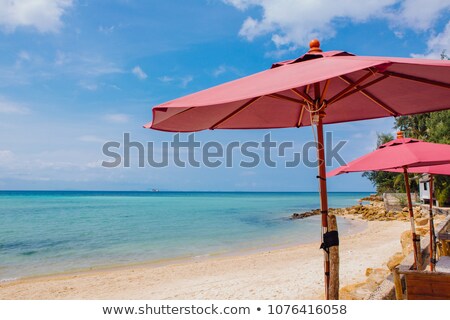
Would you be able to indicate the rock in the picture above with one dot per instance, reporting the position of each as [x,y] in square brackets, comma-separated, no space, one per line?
[356,291]
[422,231]
[398,216]
[303,215]
[369,271]
[421,222]
[406,241]
[395,260]
[376,277]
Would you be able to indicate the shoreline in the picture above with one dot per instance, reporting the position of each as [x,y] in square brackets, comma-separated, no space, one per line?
[244,275]
[357,225]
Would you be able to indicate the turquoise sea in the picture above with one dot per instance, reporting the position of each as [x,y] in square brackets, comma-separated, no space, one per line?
[44,232]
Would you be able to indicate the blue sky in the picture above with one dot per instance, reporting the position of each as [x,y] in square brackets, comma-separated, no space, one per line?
[75,74]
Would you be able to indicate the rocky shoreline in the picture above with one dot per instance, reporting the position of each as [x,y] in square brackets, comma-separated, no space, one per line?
[374,211]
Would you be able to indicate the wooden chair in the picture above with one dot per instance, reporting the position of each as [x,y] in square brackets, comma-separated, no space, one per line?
[423,285]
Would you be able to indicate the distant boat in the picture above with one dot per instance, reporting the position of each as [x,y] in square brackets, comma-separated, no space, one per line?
[155,190]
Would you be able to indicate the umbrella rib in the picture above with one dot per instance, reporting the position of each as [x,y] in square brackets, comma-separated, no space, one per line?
[302,103]
[282,97]
[372,98]
[361,88]
[351,86]
[235,112]
[303,95]
[418,79]
[300,117]
[324,92]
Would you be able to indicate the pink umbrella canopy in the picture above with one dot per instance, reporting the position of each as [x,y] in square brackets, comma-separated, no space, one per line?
[398,154]
[354,88]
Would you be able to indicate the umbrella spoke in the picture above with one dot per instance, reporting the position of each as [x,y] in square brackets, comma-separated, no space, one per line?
[304,95]
[359,88]
[235,112]
[371,97]
[282,97]
[418,79]
[300,117]
[302,103]
[351,86]
[324,92]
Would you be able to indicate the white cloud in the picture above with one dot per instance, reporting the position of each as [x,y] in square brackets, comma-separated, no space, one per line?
[61,58]
[24,55]
[186,80]
[10,107]
[292,23]
[139,73]
[6,156]
[43,15]
[106,30]
[181,81]
[85,64]
[437,44]
[222,69]
[219,70]
[166,79]
[88,85]
[418,15]
[117,118]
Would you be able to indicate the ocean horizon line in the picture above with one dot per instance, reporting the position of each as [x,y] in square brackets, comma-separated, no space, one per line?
[175,191]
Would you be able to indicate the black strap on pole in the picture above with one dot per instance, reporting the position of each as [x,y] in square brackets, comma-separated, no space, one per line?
[330,239]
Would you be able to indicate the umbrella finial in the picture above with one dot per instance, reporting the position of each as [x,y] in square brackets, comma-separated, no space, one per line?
[314,46]
[400,135]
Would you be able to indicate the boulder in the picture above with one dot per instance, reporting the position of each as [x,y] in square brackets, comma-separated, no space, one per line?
[395,260]
[421,222]
[406,242]
[356,291]
[376,276]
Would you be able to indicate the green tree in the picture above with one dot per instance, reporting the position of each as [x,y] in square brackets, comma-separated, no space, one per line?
[439,131]
[413,126]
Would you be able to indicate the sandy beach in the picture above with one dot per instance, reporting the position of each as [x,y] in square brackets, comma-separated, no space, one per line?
[289,273]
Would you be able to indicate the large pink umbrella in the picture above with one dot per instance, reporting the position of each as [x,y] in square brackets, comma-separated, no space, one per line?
[403,155]
[315,89]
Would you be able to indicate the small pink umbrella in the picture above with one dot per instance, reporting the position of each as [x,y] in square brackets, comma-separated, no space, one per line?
[443,169]
[403,155]
[315,89]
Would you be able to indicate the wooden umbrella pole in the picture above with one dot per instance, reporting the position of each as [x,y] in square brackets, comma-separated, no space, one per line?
[411,218]
[323,201]
[329,277]
[432,240]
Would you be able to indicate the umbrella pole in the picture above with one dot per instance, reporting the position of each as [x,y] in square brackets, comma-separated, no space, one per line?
[415,239]
[334,277]
[432,236]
